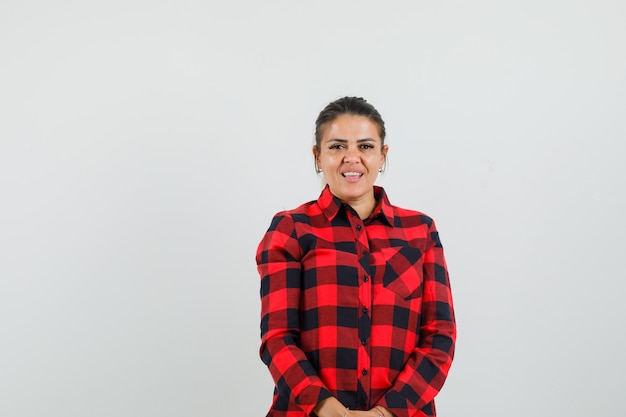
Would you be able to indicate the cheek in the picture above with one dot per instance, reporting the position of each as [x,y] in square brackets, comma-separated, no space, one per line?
[329,160]
[374,161]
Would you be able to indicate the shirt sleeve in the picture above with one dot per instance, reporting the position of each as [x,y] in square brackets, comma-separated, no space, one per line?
[278,262]
[427,367]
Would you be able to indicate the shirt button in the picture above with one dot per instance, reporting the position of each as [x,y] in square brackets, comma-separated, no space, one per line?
[364,372]
[364,342]
[366,278]
[364,310]
[358,227]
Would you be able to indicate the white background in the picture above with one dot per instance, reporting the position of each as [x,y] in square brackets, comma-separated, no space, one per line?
[145,146]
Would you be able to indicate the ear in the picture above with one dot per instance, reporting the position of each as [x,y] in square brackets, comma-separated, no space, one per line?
[316,156]
[383,156]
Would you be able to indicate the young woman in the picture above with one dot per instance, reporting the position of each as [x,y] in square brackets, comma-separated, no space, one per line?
[356,309]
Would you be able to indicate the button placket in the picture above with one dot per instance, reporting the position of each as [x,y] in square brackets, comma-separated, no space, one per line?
[365,300]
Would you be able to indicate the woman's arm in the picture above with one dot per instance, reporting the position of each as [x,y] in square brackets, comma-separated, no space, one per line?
[278,262]
[427,367]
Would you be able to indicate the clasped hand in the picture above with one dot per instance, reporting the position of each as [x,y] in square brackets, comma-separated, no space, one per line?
[374,412]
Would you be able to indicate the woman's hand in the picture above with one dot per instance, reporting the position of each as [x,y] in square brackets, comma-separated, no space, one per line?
[331,407]
[382,411]
[374,412]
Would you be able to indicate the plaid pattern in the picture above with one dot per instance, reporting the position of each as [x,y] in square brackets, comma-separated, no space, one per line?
[358,310]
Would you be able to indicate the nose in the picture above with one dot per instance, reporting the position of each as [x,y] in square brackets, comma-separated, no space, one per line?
[351,156]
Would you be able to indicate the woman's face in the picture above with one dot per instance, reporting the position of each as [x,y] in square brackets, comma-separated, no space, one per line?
[350,155]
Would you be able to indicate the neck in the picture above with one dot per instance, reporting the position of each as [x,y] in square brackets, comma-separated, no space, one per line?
[364,206]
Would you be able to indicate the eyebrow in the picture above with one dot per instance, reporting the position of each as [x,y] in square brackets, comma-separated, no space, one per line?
[346,140]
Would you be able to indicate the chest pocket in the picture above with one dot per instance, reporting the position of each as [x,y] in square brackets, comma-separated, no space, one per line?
[402,270]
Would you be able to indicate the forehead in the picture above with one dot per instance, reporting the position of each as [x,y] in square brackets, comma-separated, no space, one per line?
[351,127]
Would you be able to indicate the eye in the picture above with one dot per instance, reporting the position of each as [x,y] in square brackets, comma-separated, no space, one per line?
[367,146]
[336,146]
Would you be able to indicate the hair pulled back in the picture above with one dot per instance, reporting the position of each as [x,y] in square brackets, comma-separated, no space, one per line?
[354,106]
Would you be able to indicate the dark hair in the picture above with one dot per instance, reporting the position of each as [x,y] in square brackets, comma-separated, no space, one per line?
[356,106]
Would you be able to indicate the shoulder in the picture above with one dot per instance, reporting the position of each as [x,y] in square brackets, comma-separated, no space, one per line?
[300,214]
[417,226]
[404,217]
[400,216]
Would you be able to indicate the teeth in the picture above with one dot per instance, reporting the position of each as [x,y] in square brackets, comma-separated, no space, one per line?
[352,174]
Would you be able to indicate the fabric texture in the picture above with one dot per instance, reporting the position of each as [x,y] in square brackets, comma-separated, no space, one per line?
[358,310]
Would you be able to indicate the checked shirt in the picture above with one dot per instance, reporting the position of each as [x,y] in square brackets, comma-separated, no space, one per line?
[356,309]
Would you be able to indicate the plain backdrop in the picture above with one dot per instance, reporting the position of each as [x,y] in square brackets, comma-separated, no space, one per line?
[145,146]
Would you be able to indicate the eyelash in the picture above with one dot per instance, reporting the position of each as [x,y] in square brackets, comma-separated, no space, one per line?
[340,146]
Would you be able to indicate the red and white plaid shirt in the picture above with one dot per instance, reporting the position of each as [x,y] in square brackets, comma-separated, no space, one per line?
[356,309]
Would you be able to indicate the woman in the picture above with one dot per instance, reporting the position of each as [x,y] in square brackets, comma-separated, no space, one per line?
[356,309]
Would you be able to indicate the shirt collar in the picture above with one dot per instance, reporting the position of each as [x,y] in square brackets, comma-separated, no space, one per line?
[383,208]
[331,205]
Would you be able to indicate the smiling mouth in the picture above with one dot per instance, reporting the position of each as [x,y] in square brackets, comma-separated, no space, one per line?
[352,174]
